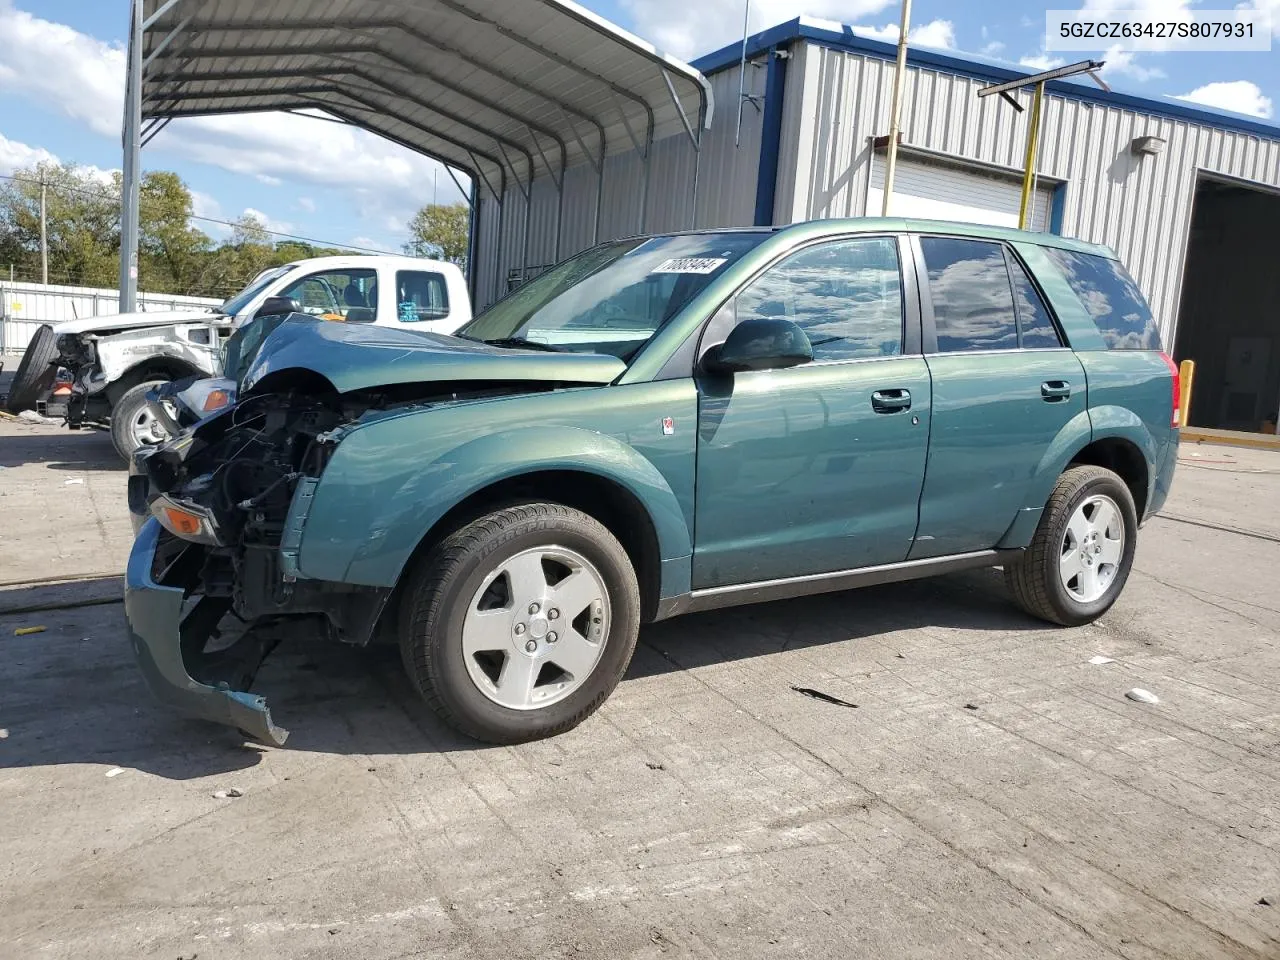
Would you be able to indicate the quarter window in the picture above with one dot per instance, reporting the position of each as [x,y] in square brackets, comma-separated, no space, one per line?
[972,301]
[846,296]
[421,296]
[350,295]
[1113,300]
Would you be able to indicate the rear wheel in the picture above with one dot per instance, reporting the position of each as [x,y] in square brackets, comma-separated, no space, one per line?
[1080,557]
[133,424]
[36,372]
[520,624]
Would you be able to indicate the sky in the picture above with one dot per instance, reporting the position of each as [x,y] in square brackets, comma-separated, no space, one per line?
[62,82]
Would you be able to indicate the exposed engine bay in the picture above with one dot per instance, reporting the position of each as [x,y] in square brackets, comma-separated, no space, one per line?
[223,493]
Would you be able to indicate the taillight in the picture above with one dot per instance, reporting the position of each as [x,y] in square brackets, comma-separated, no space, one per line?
[1177,390]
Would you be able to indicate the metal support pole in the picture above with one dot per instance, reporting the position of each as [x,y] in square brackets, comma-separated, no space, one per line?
[1029,169]
[895,110]
[129,187]
[742,71]
[44,235]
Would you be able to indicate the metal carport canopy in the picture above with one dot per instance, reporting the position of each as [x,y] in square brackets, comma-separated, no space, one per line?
[505,90]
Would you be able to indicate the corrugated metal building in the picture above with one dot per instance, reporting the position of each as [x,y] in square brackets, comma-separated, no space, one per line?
[1114,169]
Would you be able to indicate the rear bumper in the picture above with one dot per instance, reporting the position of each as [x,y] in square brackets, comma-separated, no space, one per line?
[154,614]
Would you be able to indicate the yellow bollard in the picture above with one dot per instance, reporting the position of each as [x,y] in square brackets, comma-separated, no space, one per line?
[1186,376]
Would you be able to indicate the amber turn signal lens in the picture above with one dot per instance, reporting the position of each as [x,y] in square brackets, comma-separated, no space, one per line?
[181,522]
[216,400]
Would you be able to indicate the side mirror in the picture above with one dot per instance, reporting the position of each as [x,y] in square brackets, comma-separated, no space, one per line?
[275,306]
[764,343]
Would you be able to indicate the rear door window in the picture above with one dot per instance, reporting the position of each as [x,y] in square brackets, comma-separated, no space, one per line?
[1035,325]
[421,295]
[972,300]
[1112,299]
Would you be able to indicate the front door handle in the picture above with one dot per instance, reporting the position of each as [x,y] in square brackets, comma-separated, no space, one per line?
[1055,391]
[891,401]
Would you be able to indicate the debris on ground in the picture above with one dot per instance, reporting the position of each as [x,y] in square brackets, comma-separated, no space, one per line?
[227,794]
[27,631]
[67,483]
[971,706]
[654,766]
[1142,696]
[4,733]
[1264,902]
[824,697]
[1100,660]
[114,772]
[32,417]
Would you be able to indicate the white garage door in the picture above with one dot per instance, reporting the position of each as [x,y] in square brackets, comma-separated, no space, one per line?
[937,191]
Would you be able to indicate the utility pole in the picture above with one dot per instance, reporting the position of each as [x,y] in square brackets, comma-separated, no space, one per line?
[895,110]
[44,235]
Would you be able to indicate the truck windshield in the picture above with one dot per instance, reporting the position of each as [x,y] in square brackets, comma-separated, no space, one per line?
[613,297]
[242,299]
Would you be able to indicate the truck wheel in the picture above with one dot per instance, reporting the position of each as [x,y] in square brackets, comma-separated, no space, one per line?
[133,425]
[519,625]
[1082,551]
[35,374]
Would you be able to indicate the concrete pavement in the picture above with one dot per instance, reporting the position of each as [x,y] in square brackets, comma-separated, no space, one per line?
[993,794]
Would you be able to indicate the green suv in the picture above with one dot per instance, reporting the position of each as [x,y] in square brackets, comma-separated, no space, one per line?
[656,426]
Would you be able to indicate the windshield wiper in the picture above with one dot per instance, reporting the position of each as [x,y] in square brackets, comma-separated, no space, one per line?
[522,342]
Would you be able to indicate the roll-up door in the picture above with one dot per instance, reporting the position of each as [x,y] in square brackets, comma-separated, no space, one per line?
[942,191]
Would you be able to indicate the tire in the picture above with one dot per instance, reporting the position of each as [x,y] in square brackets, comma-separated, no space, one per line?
[1040,579]
[36,372]
[125,420]
[469,691]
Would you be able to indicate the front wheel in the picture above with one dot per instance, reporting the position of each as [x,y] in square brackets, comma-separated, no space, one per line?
[518,625]
[1079,559]
[133,424]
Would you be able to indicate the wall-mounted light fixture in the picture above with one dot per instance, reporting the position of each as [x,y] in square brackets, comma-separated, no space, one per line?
[1149,146]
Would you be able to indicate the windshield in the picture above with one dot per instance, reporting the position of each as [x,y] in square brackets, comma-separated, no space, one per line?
[611,298]
[245,296]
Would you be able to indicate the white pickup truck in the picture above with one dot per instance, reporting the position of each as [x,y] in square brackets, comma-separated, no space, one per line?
[114,361]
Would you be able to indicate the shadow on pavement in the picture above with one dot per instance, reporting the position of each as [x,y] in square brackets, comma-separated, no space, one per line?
[61,449]
[73,694]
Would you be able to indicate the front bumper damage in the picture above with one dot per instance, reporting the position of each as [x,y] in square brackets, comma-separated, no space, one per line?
[155,615]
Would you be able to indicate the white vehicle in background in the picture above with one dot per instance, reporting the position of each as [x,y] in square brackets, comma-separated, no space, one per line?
[115,361]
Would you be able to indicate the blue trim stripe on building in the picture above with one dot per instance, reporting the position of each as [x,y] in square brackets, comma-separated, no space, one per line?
[980,69]
[770,136]
[1057,208]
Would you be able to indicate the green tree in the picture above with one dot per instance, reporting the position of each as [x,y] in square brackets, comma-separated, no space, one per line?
[171,253]
[82,216]
[440,231]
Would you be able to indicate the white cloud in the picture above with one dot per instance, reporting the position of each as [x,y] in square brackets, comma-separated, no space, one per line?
[1270,6]
[1124,63]
[992,48]
[16,156]
[1240,96]
[269,222]
[688,29]
[935,33]
[306,204]
[368,243]
[203,205]
[56,68]
[1040,62]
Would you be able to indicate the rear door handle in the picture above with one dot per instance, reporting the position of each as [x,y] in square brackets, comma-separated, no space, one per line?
[1055,391]
[891,401]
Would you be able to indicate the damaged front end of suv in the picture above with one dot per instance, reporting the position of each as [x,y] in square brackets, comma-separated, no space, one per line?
[226,500]
[213,582]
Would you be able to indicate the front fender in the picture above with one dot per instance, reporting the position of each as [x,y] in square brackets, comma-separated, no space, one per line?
[123,352]
[374,540]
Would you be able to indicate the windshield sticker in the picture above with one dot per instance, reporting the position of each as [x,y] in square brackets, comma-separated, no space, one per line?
[690,265]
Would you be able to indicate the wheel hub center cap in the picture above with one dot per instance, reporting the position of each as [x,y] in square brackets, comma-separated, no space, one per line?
[538,627]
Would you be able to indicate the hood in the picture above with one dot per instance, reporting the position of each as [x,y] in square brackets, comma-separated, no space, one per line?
[133,321]
[361,356]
